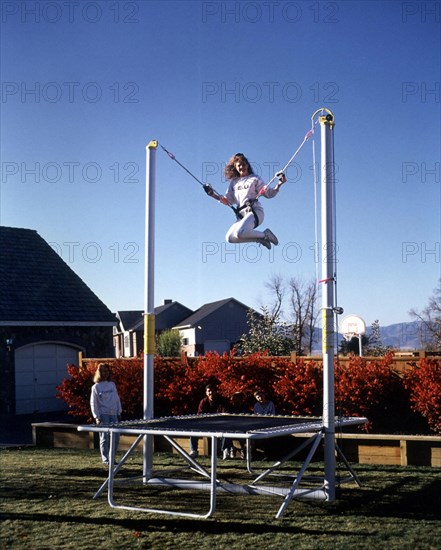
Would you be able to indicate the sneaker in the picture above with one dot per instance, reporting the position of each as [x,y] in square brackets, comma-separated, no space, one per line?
[232,453]
[194,454]
[271,237]
[265,242]
[225,454]
[242,454]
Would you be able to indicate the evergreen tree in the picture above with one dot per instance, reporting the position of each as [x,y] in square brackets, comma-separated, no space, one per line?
[266,333]
[375,345]
[169,343]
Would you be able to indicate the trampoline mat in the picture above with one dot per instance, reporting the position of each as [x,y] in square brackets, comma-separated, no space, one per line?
[230,423]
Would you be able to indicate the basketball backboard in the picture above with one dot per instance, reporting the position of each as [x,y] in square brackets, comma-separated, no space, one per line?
[351,326]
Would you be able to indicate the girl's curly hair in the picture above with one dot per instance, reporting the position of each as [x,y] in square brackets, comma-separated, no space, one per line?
[230,171]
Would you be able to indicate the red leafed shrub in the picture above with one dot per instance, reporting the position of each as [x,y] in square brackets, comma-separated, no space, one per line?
[424,385]
[249,373]
[362,388]
[299,388]
[370,388]
[228,373]
[183,390]
[75,390]
[127,375]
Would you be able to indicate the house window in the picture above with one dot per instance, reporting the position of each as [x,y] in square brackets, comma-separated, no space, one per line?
[185,341]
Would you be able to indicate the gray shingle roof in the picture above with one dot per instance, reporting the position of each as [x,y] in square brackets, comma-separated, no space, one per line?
[166,316]
[206,310]
[36,285]
[130,318]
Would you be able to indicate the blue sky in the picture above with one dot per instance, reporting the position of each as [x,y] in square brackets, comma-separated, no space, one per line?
[86,85]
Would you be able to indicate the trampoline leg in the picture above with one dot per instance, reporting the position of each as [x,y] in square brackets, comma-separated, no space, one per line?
[213,476]
[121,462]
[299,476]
[348,466]
[111,468]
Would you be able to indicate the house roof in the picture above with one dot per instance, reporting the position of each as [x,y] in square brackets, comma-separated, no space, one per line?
[129,319]
[38,287]
[134,320]
[206,310]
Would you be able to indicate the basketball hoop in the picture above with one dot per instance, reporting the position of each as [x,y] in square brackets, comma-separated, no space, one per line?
[349,335]
[353,326]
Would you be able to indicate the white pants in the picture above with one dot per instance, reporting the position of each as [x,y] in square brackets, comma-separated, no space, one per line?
[243,230]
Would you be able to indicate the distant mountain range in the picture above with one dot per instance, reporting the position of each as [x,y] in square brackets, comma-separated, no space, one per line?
[404,336]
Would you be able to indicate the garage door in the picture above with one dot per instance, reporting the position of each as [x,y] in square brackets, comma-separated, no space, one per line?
[39,369]
[220,346]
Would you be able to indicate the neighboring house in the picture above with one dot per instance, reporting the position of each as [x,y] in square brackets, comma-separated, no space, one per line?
[128,336]
[47,316]
[217,326]
[125,341]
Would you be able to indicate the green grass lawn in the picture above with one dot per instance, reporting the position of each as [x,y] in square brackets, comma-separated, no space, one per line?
[46,502]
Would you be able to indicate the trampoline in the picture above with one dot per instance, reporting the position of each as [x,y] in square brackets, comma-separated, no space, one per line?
[215,428]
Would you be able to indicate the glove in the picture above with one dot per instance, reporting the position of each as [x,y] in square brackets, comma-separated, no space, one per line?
[281,176]
[208,189]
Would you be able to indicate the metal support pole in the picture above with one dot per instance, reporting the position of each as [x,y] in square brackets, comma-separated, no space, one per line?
[149,297]
[328,278]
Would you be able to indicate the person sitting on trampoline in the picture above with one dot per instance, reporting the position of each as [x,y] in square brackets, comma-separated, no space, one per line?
[212,403]
[263,405]
[243,194]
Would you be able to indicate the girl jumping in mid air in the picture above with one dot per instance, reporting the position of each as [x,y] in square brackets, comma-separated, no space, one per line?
[243,195]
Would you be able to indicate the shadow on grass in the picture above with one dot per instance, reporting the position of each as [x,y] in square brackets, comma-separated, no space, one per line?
[402,494]
[210,526]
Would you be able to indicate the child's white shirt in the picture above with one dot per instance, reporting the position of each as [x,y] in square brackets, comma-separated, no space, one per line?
[104,399]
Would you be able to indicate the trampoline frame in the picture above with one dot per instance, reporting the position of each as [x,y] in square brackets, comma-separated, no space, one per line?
[144,429]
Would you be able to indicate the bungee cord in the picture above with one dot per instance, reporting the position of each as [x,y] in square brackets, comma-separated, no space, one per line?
[209,189]
[291,160]
[172,156]
[316,242]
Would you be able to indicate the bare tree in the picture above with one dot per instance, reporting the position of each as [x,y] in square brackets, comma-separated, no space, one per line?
[304,311]
[276,286]
[431,318]
[300,300]
[296,303]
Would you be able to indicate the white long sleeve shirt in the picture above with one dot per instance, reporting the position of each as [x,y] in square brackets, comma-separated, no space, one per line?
[104,399]
[247,188]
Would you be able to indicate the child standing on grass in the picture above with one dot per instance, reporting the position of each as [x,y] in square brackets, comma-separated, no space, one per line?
[105,405]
